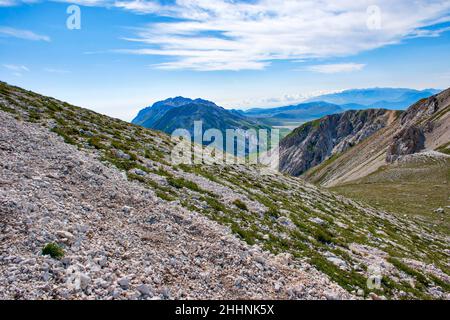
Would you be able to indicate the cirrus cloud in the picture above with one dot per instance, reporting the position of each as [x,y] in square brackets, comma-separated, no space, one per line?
[22,34]
[235,35]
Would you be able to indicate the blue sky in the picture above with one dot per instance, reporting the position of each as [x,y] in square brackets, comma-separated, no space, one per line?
[239,54]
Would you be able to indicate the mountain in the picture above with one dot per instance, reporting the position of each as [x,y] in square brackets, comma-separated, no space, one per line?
[314,142]
[148,116]
[423,126]
[180,113]
[133,225]
[388,98]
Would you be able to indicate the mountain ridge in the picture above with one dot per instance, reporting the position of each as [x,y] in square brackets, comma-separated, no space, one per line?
[423,126]
[181,113]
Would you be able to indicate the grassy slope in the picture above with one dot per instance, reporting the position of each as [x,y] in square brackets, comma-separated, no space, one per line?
[278,209]
[413,188]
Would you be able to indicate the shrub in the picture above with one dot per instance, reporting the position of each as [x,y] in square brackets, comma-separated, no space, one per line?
[323,236]
[246,235]
[165,196]
[96,143]
[180,183]
[64,134]
[240,204]
[53,250]
[215,204]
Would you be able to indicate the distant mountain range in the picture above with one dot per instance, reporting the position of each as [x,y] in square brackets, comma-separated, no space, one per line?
[387,98]
[180,112]
[355,99]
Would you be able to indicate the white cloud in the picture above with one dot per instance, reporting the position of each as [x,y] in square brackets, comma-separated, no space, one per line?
[9,3]
[272,101]
[336,68]
[22,34]
[16,68]
[6,3]
[236,35]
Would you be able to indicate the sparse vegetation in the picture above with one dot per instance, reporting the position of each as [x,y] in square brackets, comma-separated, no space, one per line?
[240,204]
[53,250]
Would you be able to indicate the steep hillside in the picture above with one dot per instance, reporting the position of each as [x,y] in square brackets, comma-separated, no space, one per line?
[180,113]
[313,142]
[424,126]
[135,225]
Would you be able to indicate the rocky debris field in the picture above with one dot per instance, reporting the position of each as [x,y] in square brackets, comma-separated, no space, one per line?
[120,241]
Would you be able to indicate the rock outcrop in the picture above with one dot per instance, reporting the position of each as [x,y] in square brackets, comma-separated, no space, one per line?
[314,142]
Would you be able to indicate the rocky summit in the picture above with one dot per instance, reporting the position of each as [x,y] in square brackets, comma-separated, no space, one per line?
[91,207]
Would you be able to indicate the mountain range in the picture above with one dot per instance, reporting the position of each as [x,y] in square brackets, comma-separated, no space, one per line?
[180,112]
[388,98]
[355,99]
[315,141]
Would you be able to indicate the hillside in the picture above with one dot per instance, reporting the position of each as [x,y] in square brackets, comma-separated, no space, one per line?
[316,141]
[423,126]
[180,113]
[137,226]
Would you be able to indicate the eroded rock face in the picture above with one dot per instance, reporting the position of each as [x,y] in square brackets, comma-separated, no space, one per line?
[312,143]
[408,141]
[414,124]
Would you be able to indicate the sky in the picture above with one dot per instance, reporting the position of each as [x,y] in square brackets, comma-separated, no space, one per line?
[117,57]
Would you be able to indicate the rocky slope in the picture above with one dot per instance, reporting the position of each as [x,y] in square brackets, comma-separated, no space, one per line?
[133,225]
[120,239]
[424,126]
[314,142]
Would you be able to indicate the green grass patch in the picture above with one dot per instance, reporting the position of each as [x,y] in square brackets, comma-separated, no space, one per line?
[53,250]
